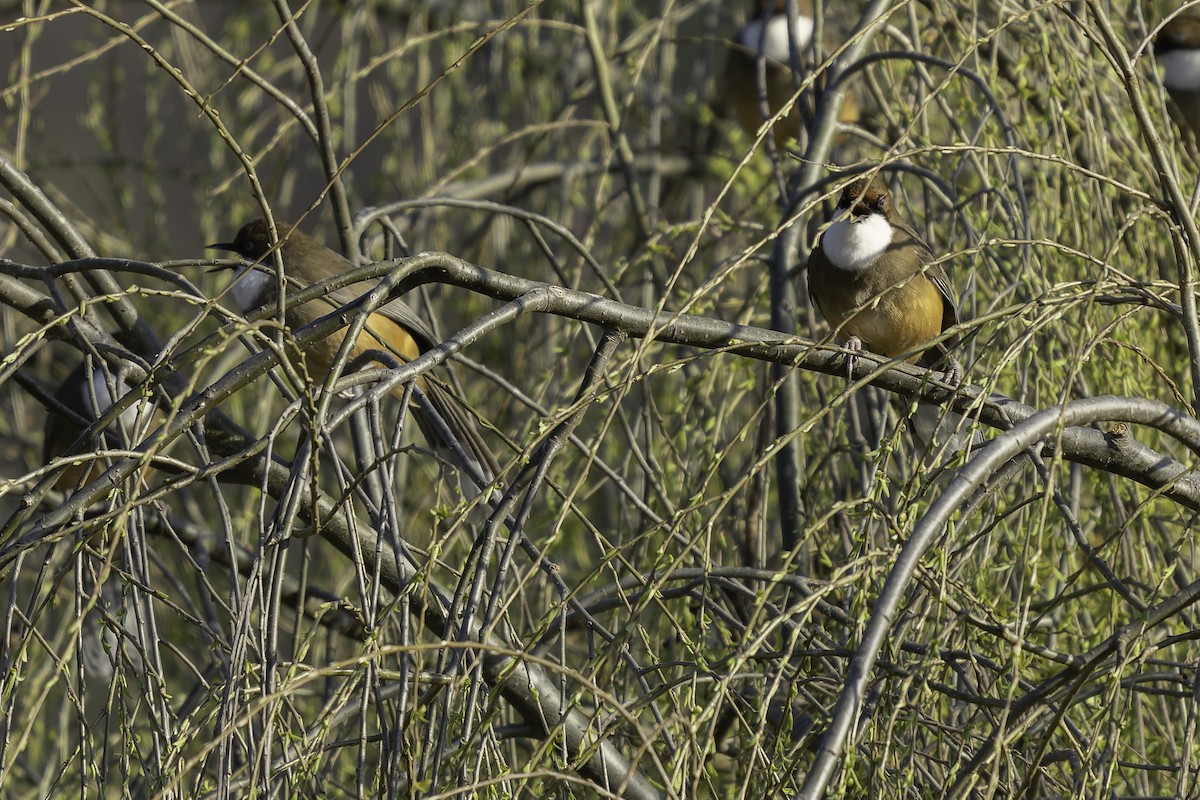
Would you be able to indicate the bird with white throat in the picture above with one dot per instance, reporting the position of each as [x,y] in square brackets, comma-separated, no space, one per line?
[776,41]
[879,286]
[1177,49]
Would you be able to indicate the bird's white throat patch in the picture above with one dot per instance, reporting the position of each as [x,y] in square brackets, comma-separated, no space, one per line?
[101,400]
[855,245]
[1181,69]
[248,289]
[775,43]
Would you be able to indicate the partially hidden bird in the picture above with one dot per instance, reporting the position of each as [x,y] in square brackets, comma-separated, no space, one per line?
[769,33]
[85,395]
[1177,49]
[394,328]
[878,285]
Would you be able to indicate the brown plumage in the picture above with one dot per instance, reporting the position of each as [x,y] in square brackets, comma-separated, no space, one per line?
[1179,39]
[394,327]
[899,301]
[741,76]
[874,281]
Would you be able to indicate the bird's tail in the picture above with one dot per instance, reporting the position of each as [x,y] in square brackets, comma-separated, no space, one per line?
[452,434]
[939,429]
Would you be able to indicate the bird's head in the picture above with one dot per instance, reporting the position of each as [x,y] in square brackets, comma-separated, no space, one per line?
[253,241]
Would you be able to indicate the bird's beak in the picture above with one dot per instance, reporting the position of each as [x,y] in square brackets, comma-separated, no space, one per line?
[228,246]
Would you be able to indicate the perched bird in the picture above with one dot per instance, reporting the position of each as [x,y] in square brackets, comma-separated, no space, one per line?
[875,282]
[87,393]
[393,328]
[769,33]
[1177,48]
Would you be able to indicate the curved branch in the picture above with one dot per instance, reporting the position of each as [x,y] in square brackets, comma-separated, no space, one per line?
[992,457]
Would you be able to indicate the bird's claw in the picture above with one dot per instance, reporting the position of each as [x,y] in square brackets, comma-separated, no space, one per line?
[954,373]
[854,345]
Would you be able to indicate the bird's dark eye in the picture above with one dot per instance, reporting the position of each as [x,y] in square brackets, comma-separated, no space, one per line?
[248,248]
[877,206]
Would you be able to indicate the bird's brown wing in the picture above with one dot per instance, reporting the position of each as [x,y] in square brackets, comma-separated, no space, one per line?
[941,281]
[461,426]
[818,268]
[396,310]
[936,275]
